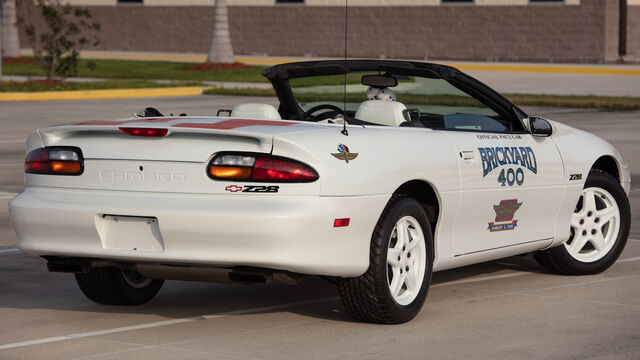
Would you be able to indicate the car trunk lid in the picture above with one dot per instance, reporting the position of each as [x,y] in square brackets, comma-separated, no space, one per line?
[175,162]
[186,140]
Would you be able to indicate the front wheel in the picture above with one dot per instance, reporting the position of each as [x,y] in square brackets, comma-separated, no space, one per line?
[395,286]
[599,229]
[114,286]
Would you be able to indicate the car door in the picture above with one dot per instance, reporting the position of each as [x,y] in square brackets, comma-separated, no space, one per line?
[511,183]
[510,189]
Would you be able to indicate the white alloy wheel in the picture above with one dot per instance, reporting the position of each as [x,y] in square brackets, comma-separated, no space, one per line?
[395,286]
[406,260]
[595,225]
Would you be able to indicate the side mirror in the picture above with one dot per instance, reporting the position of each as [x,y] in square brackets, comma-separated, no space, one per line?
[540,127]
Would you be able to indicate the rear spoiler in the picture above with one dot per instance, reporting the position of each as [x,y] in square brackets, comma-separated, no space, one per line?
[212,126]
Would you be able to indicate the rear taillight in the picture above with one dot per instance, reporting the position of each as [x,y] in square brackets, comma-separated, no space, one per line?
[261,168]
[145,132]
[282,170]
[55,161]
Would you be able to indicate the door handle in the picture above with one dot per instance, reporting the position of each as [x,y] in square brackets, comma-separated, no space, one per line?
[467,155]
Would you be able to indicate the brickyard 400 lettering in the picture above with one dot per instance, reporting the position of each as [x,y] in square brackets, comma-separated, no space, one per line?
[496,157]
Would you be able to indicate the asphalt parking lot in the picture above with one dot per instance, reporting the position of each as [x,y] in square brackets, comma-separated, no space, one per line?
[511,308]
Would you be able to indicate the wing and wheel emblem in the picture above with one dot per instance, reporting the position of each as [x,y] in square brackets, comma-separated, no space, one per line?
[344,154]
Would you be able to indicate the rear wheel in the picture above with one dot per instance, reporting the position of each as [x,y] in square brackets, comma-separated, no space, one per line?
[114,286]
[599,229]
[395,286]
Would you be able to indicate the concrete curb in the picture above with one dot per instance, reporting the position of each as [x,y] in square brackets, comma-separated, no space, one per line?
[103,94]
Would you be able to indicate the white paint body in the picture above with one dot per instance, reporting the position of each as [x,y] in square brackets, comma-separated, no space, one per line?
[198,222]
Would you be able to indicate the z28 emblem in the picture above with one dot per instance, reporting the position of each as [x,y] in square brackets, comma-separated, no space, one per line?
[504,215]
[252,188]
[573,177]
[344,153]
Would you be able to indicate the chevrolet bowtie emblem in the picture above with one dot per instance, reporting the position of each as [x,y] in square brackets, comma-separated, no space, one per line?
[344,153]
[233,188]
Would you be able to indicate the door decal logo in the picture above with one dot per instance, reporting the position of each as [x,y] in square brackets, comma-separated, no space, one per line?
[504,215]
[344,154]
[499,137]
[496,157]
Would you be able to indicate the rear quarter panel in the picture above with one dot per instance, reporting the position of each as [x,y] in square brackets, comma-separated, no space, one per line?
[387,158]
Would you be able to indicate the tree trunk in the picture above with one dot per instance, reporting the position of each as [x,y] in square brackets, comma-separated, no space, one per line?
[10,41]
[51,70]
[220,50]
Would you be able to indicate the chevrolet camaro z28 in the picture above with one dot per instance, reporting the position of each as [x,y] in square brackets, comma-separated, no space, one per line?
[373,174]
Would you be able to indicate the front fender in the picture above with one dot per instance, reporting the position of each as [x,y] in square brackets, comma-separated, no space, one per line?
[580,150]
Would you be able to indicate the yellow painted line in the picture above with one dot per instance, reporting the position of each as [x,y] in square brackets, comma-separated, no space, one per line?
[549,69]
[488,67]
[102,94]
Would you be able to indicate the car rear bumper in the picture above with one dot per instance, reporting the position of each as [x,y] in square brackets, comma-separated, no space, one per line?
[293,233]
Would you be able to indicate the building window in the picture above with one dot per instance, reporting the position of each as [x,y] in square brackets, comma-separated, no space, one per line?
[545,1]
[456,1]
[130,1]
[289,1]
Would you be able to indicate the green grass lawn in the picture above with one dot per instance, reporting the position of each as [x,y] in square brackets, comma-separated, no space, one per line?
[606,102]
[148,70]
[134,69]
[138,74]
[17,86]
[582,101]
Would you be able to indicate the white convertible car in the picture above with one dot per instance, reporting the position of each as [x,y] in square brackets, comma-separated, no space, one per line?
[407,169]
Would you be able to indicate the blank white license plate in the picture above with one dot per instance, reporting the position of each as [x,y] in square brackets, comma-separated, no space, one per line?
[129,233]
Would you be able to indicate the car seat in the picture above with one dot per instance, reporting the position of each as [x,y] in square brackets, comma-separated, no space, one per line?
[382,112]
[255,111]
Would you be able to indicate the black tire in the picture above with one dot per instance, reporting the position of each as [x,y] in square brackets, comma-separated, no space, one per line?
[108,286]
[559,259]
[368,297]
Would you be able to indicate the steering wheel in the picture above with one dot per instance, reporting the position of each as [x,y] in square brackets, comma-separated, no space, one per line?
[334,109]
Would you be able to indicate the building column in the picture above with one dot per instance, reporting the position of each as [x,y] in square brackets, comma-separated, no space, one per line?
[10,42]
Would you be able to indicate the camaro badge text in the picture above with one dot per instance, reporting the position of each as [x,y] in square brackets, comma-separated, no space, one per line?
[504,215]
[344,153]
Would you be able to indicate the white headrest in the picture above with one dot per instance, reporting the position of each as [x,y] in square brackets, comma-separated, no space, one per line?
[381,112]
[255,111]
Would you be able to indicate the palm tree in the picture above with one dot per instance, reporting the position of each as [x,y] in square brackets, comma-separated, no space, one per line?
[10,42]
[220,50]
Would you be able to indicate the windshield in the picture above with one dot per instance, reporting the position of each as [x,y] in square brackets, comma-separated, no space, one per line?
[433,101]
